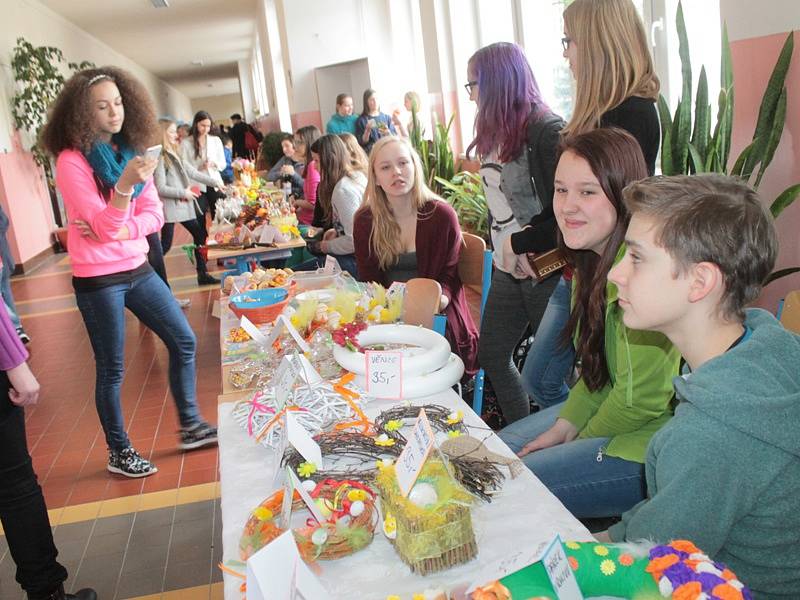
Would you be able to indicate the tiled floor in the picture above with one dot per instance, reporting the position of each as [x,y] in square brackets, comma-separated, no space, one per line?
[157,540]
[151,538]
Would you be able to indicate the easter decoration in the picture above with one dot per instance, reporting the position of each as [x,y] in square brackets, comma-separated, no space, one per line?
[630,571]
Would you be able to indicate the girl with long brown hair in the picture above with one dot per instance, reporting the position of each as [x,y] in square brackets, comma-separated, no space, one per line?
[100,125]
[589,450]
[404,230]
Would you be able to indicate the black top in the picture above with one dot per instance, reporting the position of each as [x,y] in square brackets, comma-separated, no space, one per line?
[90,284]
[639,117]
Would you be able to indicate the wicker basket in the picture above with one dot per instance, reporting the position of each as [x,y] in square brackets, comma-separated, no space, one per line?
[260,306]
[434,539]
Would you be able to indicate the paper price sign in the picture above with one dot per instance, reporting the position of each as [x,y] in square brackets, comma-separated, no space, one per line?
[331,265]
[254,332]
[282,323]
[384,374]
[413,456]
[285,377]
[560,573]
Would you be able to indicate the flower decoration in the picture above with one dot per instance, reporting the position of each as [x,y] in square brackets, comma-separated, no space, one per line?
[306,469]
[453,433]
[626,560]
[390,526]
[601,550]
[607,567]
[346,335]
[393,425]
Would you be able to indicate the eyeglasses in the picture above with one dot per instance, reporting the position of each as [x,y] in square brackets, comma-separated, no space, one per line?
[469,85]
[565,42]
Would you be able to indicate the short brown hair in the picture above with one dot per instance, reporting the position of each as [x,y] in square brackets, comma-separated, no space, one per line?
[70,123]
[711,218]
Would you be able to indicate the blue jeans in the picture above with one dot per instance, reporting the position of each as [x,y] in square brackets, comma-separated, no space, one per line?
[549,362]
[103,311]
[589,483]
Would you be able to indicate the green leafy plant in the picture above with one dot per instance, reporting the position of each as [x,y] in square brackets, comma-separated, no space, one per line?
[464,192]
[438,162]
[271,150]
[689,146]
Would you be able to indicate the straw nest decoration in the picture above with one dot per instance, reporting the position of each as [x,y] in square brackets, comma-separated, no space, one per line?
[430,535]
[351,516]
[480,477]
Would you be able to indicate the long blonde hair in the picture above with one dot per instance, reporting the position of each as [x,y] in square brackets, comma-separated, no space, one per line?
[166,145]
[384,239]
[358,158]
[614,61]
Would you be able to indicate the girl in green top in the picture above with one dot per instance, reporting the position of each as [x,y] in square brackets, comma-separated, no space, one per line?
[589,450]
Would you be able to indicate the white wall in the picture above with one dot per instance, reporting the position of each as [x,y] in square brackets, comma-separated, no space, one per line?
[42,27]
[755,19]
[346,78]
[219,107]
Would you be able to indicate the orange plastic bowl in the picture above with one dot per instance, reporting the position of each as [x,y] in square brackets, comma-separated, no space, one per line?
[260,306]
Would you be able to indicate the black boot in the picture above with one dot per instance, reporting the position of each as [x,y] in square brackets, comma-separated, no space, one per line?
[59,594]
[206,279]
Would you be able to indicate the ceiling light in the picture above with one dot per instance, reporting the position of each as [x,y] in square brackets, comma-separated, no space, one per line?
[160,3]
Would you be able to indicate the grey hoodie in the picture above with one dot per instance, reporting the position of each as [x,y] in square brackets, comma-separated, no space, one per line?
[725,471]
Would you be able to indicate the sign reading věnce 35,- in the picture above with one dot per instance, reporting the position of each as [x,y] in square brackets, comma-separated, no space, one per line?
[384,374]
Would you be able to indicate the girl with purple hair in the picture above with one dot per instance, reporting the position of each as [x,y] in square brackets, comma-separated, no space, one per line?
[512,123]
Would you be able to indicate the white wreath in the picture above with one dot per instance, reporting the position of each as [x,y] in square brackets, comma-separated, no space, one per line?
[435,349]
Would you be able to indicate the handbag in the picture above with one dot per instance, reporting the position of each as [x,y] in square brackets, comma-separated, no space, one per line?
[545,264]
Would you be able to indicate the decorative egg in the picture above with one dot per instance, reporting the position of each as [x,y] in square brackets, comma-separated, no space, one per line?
[319,537]
[423,494]
[309,485]
[390,527]
[356,508]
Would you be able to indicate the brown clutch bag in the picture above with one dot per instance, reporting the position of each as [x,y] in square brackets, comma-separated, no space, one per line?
[547,263]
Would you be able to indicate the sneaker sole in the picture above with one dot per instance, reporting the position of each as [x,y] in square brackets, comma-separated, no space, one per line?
[197,444]
[119,471]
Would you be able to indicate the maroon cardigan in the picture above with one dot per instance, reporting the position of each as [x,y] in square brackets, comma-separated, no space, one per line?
[439,244]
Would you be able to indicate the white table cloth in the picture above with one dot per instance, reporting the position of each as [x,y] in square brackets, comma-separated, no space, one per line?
[523,514]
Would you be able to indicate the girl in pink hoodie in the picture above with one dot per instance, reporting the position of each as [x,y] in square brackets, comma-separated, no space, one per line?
[99,127]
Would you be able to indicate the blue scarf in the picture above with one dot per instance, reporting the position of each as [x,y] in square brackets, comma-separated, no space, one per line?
[108,163]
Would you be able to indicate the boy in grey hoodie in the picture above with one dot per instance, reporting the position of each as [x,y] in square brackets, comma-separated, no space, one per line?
[725,471]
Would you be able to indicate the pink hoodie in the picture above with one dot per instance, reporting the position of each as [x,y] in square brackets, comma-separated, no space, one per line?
[83,200]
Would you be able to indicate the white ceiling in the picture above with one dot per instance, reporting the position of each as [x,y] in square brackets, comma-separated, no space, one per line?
[165,41]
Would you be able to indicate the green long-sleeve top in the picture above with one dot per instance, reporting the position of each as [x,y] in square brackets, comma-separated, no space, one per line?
[635,403]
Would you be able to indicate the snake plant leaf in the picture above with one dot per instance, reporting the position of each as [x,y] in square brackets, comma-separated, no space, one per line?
[697,160]
[774,136]
[702,118]
[785,198]
[781,273]
[667,168]
[725,110]
[736,171]
[769,102]
[682,122]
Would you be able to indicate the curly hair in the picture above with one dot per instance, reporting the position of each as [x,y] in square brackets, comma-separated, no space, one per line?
[70,125]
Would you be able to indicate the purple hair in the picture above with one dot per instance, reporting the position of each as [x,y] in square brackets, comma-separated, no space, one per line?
[508,95]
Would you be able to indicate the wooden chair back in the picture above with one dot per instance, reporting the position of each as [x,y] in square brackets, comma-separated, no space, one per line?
[421,301]
[790,315]
[470,264]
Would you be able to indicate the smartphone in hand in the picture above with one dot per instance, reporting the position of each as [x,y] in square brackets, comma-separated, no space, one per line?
[153,152]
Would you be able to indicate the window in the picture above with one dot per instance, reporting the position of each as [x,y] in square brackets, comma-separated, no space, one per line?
[259,83]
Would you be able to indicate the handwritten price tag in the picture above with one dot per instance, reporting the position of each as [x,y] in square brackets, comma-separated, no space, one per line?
[331,265]
[254,332]
[282,323]
[384,374]
[560,573]
[285,377]
[413,456]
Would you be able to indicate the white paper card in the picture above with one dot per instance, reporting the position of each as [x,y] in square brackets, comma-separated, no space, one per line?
[278,454]
[397,287]
[413,456]
[302,441]
[384,374]
[511,563]
[331,265]
[254,332]
[309,501]
[280,323]
[288,496]
[285,376]
[276,572]
[267,234]
[560,573]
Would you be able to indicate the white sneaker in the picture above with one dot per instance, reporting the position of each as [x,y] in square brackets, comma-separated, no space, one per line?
[183,302]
